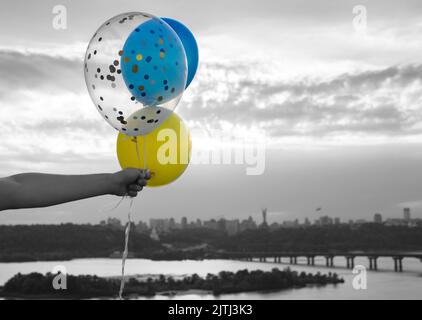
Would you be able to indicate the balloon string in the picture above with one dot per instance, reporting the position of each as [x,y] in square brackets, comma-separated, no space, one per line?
[145,152]
[137,151]
[127,230]
[126,250]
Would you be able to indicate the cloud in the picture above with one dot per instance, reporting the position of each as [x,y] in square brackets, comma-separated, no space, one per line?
[376,102]
[39,72]
[46,109]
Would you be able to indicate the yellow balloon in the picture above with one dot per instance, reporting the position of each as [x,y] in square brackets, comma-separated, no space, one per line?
[164,151]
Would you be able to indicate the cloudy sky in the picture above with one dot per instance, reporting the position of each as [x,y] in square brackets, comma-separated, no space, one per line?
[338,105]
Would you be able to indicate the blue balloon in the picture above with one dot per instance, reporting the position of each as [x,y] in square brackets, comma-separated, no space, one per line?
[191,47]
[153,63]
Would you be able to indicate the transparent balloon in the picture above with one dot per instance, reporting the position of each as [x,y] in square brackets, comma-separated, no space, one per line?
[136,71]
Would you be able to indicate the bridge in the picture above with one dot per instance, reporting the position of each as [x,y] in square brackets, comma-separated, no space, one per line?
[329,257]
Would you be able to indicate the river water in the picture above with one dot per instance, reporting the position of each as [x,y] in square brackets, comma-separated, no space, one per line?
[381,284]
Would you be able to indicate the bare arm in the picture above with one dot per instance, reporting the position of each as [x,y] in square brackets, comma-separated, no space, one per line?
[31,190]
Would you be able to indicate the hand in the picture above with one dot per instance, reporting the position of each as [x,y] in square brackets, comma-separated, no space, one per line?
[129,181]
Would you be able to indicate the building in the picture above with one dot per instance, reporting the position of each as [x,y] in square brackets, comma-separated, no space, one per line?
[210,224]
[377,218]
[325,221]
[232,227]
[172,224]
[406,214]
[248,224]
[160,225]
[184,222]
[221,225]
[337,221]
[307,222]
[198,223]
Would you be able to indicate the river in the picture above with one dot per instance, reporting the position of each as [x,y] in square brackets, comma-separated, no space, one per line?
[381,284]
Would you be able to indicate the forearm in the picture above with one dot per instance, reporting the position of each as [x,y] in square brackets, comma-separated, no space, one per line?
[31,190]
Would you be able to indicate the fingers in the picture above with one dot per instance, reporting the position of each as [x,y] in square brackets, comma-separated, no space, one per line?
[139,184]
[144,174]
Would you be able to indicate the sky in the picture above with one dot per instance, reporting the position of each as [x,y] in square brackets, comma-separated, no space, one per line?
[334,102]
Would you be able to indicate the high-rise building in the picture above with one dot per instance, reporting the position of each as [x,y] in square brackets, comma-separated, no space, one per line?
[172,224]
[406,214]
[232,226]
[336,220]
[378,218]
[184,222]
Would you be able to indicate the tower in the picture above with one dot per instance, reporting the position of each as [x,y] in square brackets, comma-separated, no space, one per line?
[264,217]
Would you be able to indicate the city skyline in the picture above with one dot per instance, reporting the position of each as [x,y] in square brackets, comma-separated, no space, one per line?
[235,225]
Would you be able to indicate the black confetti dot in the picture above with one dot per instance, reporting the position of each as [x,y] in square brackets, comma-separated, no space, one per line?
[99,39]
[89,56]
[166,88]
[101,98]
[123,129]
[106,116]
[95,52]
[160,98]
[146,77]
[165,82]
[150,121]
[158,112]
[143,118]
[120,112]
[98,70]
[112,68]
[156,121]
[132,98]
[116,62]
[102,77]
[119,71]
[148,59]
[131,86]
[99,107]
[143,94]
